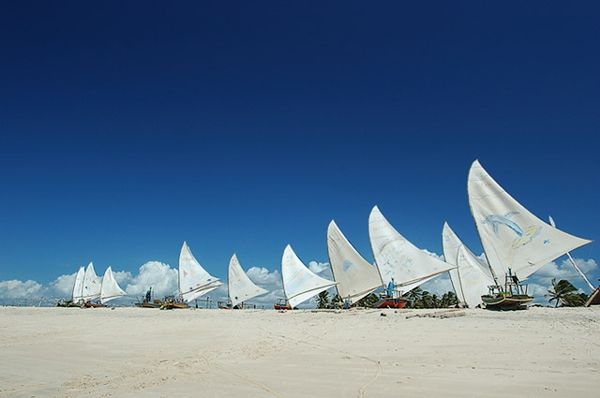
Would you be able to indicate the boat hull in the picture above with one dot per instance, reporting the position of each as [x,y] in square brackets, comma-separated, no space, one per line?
[174,306]
[391,303]
[594,298]
[92,305]
[146,304]
[506,303]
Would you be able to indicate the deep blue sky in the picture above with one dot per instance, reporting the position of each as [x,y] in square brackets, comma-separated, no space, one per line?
[128,127]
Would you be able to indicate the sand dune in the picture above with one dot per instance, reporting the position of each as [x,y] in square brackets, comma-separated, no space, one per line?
[130,352]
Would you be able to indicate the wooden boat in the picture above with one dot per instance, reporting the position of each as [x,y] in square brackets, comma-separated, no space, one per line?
[149,304]
[514,240]
[172,303]
[89,287]
[389,302]
[512,296]
[282,305]
[594,298]
[506,301]
[89,304]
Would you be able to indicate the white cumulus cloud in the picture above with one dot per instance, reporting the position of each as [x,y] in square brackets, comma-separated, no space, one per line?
[62,286]
[565,270]
[15,289]
[160,276]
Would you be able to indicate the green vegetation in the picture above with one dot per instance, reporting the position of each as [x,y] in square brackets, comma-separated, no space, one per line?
[323,300]
[368,301]
[419,298]
[337,301]
[563,293]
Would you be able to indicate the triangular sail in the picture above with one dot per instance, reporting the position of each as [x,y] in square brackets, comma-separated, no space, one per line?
[241,288]
[512,237]
[194,281]
[473,280]
[356,278]
[574,264]
[110,288]
[92,284]
[462,277]
[399,259]
[77,295]
[300,283]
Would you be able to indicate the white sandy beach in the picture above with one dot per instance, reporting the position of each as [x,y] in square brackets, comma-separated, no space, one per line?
[130,352]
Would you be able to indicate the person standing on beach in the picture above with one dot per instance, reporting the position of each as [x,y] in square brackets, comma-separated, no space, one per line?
[390,288]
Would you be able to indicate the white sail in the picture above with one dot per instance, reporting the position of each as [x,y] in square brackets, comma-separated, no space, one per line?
[399,259]
[241,288]
[194,281]
[473,280]
[300,283]
[450,245]
[355,277]
[77,295]
[91,284]
[466,282]
[574,264]
[110,289]
[511,236]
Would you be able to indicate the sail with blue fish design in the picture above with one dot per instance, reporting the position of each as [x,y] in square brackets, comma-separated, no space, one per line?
[512,237]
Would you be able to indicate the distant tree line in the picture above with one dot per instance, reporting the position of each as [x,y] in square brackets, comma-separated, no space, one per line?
[562,294]
[417,298]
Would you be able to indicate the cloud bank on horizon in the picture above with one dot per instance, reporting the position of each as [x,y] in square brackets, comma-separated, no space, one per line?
[163,280]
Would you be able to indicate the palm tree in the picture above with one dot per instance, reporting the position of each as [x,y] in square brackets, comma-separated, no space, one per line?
[449,300]
[368,301]
[426,300]
[337,301]
[323,300]
[575,300]
[414,296]
[562,292]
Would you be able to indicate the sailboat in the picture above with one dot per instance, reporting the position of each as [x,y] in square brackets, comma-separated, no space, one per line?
[92,285]
[355,276]
[77,296]
[402,265]
[516,242]
[194,281]
[300,283]
[471,277]
[88,287]
[240,287]
[110,289]
[77,293]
